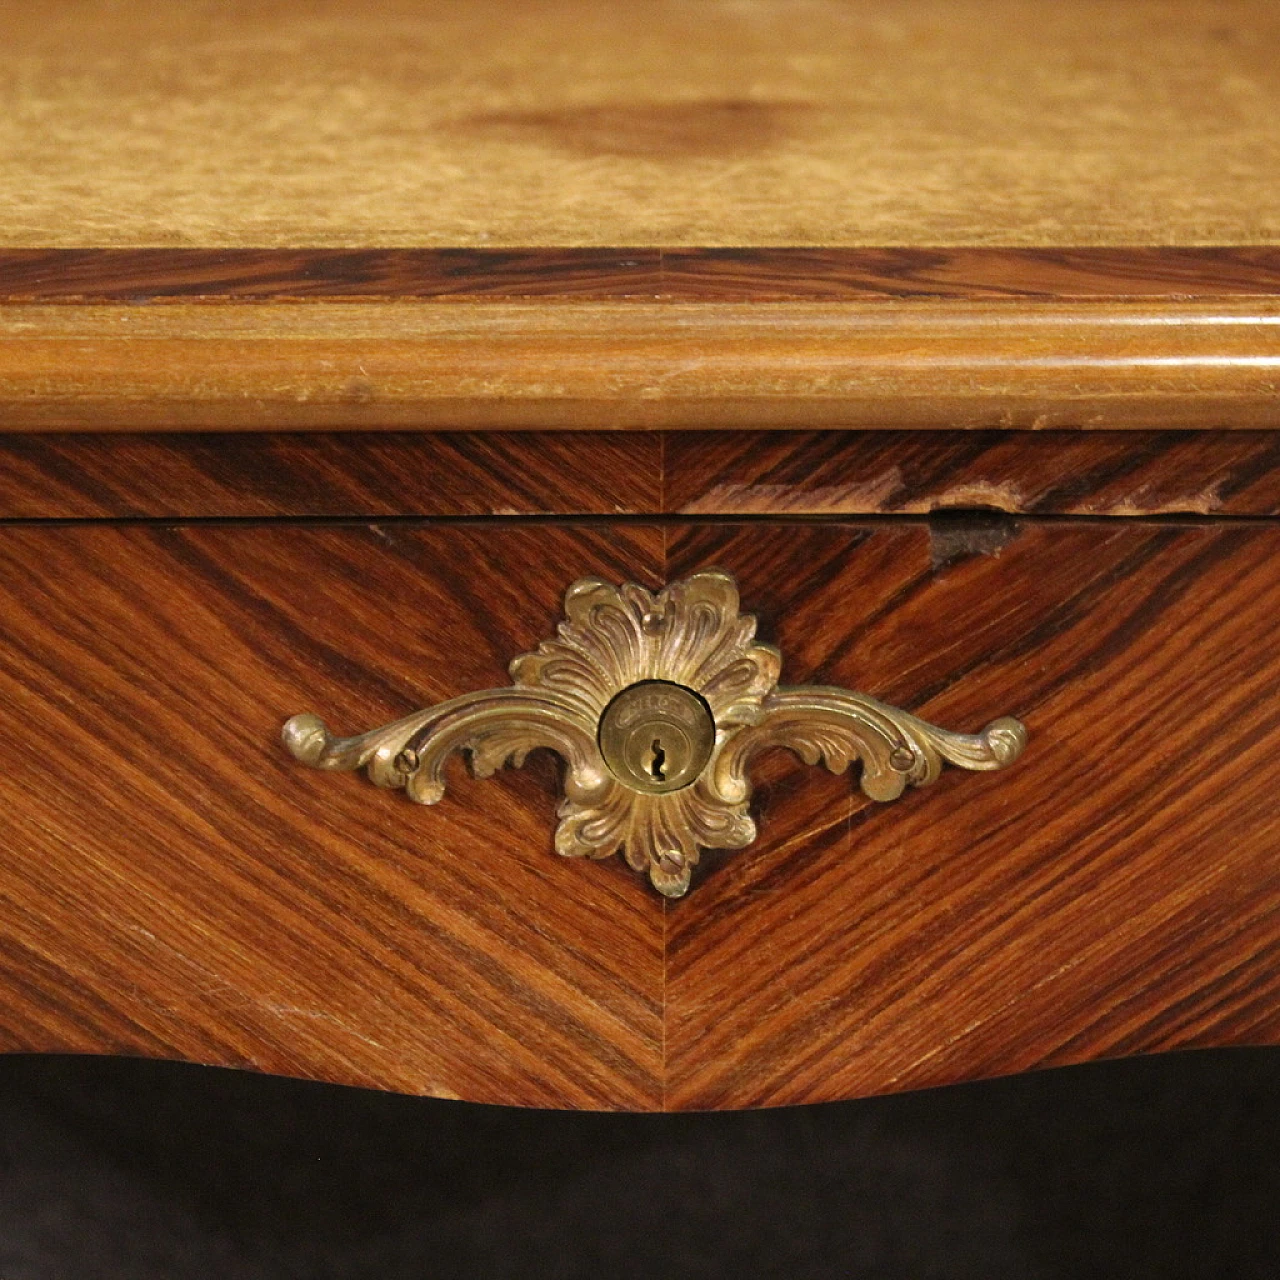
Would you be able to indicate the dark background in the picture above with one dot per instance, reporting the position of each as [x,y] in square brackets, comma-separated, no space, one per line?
[1164,1167]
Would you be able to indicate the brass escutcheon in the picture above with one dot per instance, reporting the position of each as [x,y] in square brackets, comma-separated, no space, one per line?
[658,702]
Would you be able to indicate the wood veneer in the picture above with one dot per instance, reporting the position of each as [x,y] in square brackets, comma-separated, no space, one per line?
[1114,893]
[406,474]
[258,474]
[1098,473]
[175,885]
[779,274]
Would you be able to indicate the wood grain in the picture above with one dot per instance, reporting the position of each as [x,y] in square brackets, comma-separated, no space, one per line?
[436,365]
[173,885]
[585,122]
[406,474]
[1101,473]
[611,274]
[1114,893]
[330,475]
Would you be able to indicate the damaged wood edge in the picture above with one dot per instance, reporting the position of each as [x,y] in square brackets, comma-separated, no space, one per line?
[960,534]
[1225,474]
[1006,365]
[882,496]
[696,474]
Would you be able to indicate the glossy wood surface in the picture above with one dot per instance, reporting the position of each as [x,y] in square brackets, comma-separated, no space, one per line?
[407,474]
[589,122]
[1099,473]
[258,474]
[174,885]
[1116,893]
[585,339]
[434,365]
[785,274]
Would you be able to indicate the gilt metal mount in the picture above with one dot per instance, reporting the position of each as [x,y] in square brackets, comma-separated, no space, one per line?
[657,703]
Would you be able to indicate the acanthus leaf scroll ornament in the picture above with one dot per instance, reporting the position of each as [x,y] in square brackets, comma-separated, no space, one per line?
[657,704]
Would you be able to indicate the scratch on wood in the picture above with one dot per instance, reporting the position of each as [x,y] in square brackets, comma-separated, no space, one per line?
[772,499]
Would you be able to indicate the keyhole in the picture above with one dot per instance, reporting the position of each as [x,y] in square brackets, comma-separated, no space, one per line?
[659,759]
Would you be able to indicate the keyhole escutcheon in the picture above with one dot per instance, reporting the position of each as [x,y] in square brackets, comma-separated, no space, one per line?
[656,736]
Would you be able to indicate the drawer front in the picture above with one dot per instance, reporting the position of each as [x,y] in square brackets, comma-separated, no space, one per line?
[176,885]
[173,884]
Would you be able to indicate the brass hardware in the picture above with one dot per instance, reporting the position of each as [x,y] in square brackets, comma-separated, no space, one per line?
[656,736]
[657,703]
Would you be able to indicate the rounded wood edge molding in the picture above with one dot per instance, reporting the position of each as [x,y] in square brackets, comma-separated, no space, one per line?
[432,365]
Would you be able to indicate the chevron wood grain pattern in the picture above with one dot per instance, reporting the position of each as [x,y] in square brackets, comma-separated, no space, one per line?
[1116,892]
[637,473]
[329,475]
[173,884]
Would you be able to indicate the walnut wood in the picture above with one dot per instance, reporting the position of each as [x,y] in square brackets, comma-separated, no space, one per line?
[997,363]
[1117,892]
[174,885]
[588,122]
[642,473]
[384,474]
[681,274]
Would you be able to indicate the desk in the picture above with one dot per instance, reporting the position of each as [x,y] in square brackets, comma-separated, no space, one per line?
[336,343]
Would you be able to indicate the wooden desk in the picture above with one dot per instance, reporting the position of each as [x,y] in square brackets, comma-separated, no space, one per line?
[336,343]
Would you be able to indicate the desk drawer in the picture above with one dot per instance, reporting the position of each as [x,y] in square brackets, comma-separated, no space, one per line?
[174,884]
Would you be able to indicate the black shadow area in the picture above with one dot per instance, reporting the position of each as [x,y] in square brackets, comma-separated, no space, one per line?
[1165,1167]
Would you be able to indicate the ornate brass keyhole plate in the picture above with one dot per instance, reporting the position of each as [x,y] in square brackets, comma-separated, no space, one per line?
[657,703]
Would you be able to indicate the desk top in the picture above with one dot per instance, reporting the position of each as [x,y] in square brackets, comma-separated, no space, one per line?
[390,123]
[733,213]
